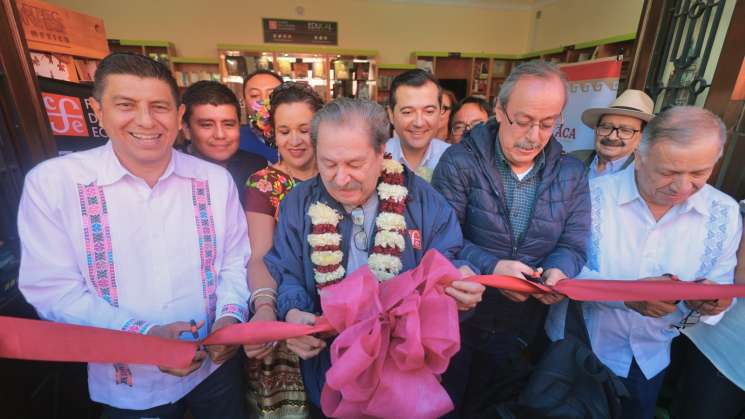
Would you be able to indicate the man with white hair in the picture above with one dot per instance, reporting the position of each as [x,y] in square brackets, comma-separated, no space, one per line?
[657,221]
[363,208]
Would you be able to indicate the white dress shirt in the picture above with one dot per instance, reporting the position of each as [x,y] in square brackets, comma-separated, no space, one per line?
[611,167]
[695,239]
[723,343]
[429,162]
[101,248]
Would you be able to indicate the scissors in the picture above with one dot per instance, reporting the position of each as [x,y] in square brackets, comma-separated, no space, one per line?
[535,277]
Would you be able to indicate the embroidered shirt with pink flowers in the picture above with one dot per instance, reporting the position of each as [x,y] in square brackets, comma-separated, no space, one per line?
[101,248]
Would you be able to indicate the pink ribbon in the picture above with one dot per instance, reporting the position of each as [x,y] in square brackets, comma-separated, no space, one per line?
[395,339]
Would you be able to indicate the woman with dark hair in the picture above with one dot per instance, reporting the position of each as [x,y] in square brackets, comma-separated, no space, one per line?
[274,375]
[446,108]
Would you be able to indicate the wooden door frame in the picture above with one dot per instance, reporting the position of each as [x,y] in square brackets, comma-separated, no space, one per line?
[33,138]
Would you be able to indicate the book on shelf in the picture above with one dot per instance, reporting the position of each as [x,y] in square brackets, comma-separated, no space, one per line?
[341,70]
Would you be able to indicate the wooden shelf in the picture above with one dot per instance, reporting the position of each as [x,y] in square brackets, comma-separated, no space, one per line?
[468,65]
[294,63]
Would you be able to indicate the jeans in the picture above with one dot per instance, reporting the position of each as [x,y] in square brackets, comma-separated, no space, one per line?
[219,396]
[643,392]
[489,369]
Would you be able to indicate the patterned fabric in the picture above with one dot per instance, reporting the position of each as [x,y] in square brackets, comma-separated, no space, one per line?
[520,194]
[237,310]
[136,326]
[98,242]
[207,245]
[595,231]
[275,386]
[265,189]
[716,233]
[100,256]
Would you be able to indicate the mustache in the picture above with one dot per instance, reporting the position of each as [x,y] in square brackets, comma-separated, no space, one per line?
[527,145]
[351,186]
[612,143]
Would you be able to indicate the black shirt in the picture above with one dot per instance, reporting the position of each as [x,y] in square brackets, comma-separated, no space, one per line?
[241,165]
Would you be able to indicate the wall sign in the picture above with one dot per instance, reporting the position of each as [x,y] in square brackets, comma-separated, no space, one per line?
[286,31]
[71,117]
[51,28]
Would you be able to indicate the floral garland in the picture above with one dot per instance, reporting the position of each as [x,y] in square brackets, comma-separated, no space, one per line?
[385,258]
[260,118]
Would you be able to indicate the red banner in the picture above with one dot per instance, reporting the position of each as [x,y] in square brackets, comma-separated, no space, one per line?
[404,321]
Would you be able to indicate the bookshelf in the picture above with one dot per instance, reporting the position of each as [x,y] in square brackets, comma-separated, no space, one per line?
[484,73]
[332,72]
[161,51]
[386,74]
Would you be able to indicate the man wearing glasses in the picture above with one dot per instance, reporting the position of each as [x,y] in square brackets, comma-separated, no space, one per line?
[618,129]
[525,211]
[466,114]
[658,220]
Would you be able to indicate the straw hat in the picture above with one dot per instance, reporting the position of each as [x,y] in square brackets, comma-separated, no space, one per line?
[633,103]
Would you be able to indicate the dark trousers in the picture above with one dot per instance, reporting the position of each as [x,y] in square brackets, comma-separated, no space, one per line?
[702,392]
[219,396]
[643,393]
[489,369]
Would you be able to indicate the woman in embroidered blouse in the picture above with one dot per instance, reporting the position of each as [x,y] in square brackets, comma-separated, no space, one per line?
[292,106]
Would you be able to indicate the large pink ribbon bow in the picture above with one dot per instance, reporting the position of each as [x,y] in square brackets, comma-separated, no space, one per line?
[395,340]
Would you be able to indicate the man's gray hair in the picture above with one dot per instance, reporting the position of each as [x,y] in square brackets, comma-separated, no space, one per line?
[535,68]
[682,125]
[353,112]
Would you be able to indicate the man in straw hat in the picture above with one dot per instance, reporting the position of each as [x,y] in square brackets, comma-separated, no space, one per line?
[617,132]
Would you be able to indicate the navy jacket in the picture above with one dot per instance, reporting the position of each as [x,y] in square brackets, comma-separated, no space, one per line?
[556,237]
[251,142]
[289,259]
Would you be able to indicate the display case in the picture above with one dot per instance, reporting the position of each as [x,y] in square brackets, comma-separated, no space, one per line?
[332,72]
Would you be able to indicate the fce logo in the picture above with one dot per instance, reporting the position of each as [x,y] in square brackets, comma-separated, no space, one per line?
[65,115]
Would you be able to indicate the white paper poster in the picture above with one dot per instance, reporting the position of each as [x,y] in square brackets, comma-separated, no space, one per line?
[592,84]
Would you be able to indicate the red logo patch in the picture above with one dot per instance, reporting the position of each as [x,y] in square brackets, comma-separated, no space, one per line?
[416,239]
[65,115]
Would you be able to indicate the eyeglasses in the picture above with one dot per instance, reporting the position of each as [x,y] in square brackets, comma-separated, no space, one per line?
[461,127]
[545,125]
[360,236]
[624,133]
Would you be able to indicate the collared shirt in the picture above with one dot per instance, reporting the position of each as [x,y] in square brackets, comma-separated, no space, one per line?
[101,248]
[695,239]
[611,167]
[357,257]
[722,344]
[428,163]
[520,191]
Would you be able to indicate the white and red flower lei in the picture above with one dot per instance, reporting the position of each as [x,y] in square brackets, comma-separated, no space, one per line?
[385,259]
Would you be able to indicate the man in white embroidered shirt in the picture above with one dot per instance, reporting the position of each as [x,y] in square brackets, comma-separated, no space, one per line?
[136,236]
[653,221]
